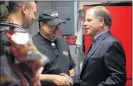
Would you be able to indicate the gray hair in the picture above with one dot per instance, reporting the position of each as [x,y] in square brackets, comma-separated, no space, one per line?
[101,12]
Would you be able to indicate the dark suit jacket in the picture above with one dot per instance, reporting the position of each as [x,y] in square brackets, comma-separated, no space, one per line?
[104,64]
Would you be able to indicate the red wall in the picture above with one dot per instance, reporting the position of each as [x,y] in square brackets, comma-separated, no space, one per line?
[122,29]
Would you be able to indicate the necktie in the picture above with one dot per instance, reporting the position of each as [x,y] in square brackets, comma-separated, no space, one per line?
[93,43]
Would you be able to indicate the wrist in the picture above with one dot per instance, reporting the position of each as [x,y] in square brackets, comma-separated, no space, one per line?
[47,77]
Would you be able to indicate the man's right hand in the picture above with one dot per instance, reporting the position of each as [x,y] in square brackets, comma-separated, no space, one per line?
[62,81]
[68,77]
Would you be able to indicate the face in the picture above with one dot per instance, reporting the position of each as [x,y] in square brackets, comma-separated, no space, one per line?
[91,24]
[50,32]
[29,15]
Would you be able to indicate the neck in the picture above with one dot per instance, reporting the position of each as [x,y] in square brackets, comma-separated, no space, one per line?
[101,30]
[15,18]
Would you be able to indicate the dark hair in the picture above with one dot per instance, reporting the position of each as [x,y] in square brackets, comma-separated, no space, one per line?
[14,6]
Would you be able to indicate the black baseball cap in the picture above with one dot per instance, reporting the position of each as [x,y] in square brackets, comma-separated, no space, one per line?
[50,17]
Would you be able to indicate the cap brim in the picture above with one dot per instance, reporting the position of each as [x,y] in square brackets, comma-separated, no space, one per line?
[55,22]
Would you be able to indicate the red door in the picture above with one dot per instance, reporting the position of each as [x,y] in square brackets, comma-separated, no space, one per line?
[122,29]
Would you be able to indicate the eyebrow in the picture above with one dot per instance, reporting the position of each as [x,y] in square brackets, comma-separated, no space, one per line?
[88,19]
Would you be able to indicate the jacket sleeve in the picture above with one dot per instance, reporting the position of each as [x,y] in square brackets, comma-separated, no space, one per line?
[72,63]
[115,63]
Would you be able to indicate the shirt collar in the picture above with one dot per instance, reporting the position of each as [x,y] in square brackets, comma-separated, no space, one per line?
[98,35]
[15,25]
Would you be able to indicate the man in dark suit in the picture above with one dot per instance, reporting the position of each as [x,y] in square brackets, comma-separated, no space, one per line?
[104,63]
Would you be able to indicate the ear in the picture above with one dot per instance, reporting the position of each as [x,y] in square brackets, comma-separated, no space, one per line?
[24,9]
[41,24]
[102,22]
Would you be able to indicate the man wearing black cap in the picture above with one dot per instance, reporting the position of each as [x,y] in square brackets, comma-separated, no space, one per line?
[55,48]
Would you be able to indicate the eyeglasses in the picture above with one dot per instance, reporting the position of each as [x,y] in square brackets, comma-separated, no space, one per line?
[55,49]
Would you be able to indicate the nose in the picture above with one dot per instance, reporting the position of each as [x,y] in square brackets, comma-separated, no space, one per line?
[85,23]
[34,18]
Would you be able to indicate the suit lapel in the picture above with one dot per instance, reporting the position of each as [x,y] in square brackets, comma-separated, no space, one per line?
[90,53]
[96,45]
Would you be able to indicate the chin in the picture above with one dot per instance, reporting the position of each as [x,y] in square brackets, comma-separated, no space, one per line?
[88,33]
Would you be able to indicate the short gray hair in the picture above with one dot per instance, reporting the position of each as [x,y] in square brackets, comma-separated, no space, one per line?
[102,12]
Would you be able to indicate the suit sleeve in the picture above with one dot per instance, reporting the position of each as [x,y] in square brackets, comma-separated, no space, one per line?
[114,61]
[72,64]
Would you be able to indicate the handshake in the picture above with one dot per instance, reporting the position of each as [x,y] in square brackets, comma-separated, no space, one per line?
[59,80]
[66,80]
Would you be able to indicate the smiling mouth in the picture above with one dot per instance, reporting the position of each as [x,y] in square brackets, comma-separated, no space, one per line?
[53,36]
[87,28]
